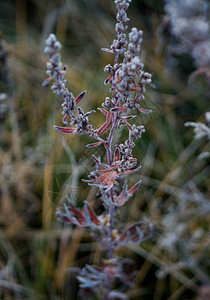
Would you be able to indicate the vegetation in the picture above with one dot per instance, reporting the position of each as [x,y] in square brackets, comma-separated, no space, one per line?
[39,167]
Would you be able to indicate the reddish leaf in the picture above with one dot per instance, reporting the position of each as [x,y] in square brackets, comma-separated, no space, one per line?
[134,188]
[92,215]
[100,164]
[109,118]
[133,89]
[79,215]
[132,159]
[74,216]
[103,128]
[103,111]
[108,122]
[110,177]
[143,110]
[97,161]
[96,180]
[119,108]
[65,129]
[128,117]
[128,125]
[110,185]
[65,119]
[94,145]
[123,197]
[116,154]
[108,80]
[106,180]
[131,171]
[80,97]
[133,233]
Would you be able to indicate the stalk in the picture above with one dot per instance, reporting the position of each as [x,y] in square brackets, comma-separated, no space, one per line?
[127,95]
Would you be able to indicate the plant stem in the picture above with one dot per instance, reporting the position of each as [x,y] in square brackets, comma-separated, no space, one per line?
[109,158]
[111,218]
[111,207]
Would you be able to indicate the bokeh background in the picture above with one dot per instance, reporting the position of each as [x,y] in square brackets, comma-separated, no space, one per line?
[39,166]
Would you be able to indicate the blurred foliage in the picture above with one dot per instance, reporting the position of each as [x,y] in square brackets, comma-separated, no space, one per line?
[39,166]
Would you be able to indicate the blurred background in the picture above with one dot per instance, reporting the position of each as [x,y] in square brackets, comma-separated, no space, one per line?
[39,166]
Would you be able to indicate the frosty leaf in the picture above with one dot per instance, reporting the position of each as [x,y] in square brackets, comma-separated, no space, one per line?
[46,81]
[119,109]
[75,216]
[107,50]
[103,111]
[66,130]
[117,154]
[136,233]
[126,194]
[80,97]
[103,128]
[134,188]
[94,145]
[143,110]
[108,80]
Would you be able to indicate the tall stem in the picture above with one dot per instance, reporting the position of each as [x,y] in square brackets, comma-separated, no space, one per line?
[109,159]
[111,194]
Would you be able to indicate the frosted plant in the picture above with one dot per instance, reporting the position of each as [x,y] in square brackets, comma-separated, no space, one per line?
[128,81]
[187,23]
[183,234]
[202,132]
[200,129]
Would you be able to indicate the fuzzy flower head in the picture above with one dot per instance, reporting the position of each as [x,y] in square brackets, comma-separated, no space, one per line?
[189,24]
